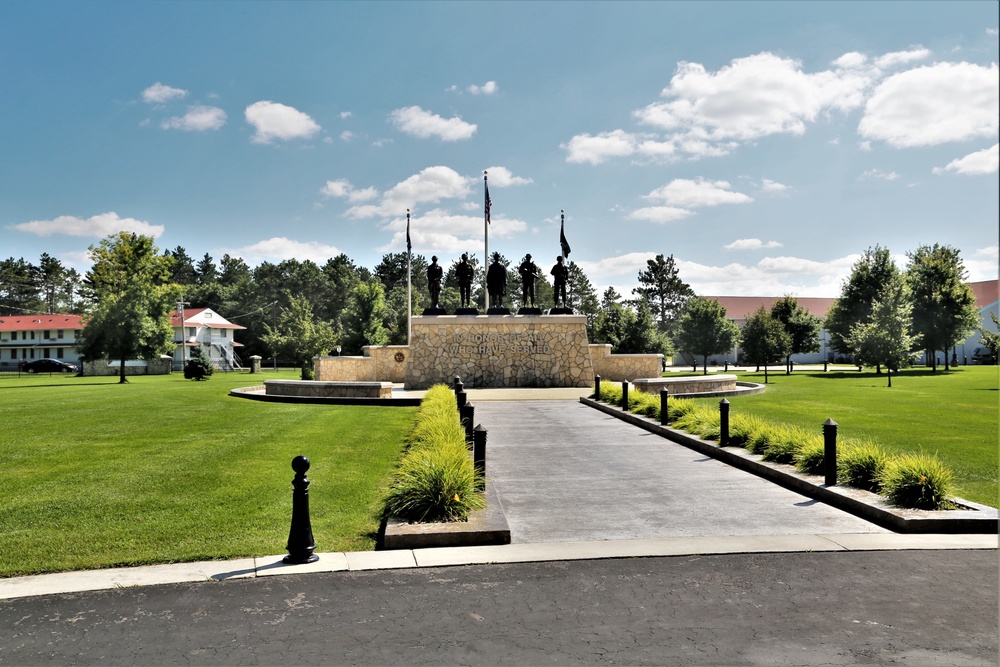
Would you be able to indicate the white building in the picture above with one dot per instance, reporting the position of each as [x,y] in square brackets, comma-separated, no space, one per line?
[27,337]
[206,328]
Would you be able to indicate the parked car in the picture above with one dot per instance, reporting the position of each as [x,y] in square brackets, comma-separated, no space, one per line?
[982,355]
[50,366]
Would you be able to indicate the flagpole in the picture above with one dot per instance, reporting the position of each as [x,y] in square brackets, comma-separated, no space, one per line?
[486,235]
[409,301]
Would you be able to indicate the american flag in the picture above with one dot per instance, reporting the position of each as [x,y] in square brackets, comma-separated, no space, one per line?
[562,238]
[409,246]
[489,203]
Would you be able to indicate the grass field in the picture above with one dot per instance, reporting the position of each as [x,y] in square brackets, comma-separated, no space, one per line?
[954,414]
[97,474]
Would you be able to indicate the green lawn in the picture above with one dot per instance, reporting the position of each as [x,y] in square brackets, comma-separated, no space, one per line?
[953,414]
[163,469]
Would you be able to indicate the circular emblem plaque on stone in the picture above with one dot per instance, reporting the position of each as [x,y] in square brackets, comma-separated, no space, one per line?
[400,357]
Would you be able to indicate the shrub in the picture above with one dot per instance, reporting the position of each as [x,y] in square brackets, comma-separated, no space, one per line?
[611,393]
[860,464]
[435,480]
[198,367]
[811,455]
[918,481]
[645,404]
[700,420]
[678,408]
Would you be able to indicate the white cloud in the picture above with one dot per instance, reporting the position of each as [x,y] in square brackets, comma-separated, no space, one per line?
[342,188]
[661,214]
[684,192]
[865,146]
[992,32]
[502,177]
[852,60]
[273,121]
[430,186]
[878,173]
[901,57]
[986,161]
[990,252]
[424,124]
[773,186]
[985,263]
[586,148]
[345,114]
[159,93]
[933,105]
[488,88]
[281,248]
[346,135]
[438,231]
[751,244]
[197,119]
[97,226]
[752,97]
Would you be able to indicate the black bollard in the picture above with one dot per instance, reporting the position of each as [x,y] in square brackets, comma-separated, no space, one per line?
[457,383]
[727,366]
[625,395]
[664,398]
[824,366]
[830,452]
[479,454]
[723,423]
[468,415]
[300,536]
[597,387]
[461,398]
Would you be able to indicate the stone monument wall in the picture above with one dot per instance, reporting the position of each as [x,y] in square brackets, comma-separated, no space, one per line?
[385,363]
[500,351]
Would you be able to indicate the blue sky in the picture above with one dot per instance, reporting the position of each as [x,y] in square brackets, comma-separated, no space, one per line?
[764,145]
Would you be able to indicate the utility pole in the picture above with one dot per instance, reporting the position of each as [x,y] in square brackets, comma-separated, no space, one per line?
[180,312]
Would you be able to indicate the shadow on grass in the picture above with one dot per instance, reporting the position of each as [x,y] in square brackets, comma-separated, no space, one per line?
[863,375]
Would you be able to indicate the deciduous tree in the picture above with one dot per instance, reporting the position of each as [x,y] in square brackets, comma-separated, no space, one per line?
[705,330]
[764,340]
[298,336]
[801,326]
[885,338]
[868,276]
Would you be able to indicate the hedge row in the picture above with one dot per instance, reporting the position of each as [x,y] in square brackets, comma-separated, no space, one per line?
[918,481]
[435,480]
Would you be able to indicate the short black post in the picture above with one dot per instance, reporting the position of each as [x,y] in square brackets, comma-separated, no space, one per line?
[468,415]
[824,365]
[461,398]
[830,452]
[625,395]
[694,366]
[300,536]
[479,454]
[664,397]
[457,382]
[597,387]
[723,423]
[727,366]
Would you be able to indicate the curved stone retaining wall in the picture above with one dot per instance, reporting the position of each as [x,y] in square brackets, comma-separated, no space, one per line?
[620,367]
[687,385]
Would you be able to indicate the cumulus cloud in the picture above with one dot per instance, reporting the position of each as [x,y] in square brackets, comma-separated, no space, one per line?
[159,93]
[430,186]
[880,174]
[439,231]
[342,188]
[660,214]
[773,186]
[280,248]
[932,105]
[595,149]
[684,192]
[424,124]
[197,119]
[97,226]
[901,57]
[502,177]
[272,120]
[751,244]
[346,136]
[986,161]
[488,88]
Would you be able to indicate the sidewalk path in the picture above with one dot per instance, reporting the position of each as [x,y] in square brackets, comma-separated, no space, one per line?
[567,472]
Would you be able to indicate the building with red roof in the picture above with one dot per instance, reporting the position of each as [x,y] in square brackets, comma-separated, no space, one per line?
[27,337]
[212,332]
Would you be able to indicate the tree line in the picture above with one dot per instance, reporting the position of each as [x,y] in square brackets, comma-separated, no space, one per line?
[294,310]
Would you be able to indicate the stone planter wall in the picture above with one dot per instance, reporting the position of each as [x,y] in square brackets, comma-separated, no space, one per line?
[620,367]
[316,389]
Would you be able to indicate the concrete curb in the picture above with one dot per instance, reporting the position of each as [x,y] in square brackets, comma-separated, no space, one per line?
[354,561]
[978,519]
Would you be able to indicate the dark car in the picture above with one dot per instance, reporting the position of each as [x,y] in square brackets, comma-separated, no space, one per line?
[983,355]
[49,366]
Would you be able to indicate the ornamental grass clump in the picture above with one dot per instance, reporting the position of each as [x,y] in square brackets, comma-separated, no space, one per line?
[860,464]
[742,428]
[917,481]
[700,420]
[784,443]
[647,405]
[811,455]
[435,480]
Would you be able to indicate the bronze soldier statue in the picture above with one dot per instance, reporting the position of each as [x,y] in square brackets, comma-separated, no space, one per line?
[560,274]
[528,272]
[464,272]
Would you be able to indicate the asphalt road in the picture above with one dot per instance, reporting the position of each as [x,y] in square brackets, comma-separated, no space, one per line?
[920,608]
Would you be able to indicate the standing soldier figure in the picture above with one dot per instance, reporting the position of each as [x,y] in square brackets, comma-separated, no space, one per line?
[463,272]
[528,272]
[560,274]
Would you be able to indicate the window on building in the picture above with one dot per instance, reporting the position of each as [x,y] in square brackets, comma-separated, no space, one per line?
[59,334]
[32,335]
[59,353]
[192,332]
[24,335]
[31,353]
[45,334]
[13,354]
